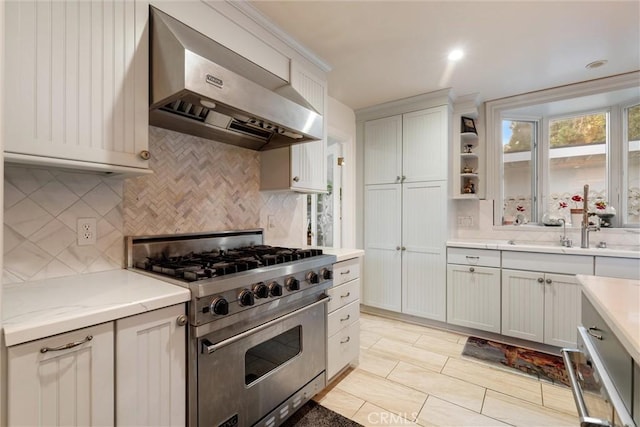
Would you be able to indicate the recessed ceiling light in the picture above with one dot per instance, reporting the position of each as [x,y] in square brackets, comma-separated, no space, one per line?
[455,54]
[596,64]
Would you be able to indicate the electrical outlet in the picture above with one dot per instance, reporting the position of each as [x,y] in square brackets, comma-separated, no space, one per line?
[465,221]
[86,229]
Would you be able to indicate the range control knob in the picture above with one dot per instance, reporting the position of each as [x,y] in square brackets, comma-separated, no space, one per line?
[246,298]
[219,306]
[260,290]
[292,284]
[326,274]
[275,289]
[312,277]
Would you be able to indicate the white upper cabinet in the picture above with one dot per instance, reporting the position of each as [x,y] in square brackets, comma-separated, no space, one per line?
[383,150]
[301,167]
[411,147]
[424,145]
[77,84]
[309,160]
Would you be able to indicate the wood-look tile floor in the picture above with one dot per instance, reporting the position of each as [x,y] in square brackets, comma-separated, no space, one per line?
[411,375]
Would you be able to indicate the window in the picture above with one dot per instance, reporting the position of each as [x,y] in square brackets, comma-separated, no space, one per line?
[519,138]
[555,141]
[576,150]
[632,134]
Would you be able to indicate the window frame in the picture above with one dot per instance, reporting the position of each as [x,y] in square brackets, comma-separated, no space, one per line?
[495,110]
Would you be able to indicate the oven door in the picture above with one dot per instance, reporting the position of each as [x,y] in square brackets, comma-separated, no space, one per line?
[244,377]
[596,398]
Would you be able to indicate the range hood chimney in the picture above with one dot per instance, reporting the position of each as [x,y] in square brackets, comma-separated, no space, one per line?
[199,87]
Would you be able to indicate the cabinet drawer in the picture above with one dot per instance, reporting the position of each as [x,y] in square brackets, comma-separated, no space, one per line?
[624,268]
[343,348]
[346,270]
[617,361]
[480,257]
[343,317]
[343,294]
[549,263]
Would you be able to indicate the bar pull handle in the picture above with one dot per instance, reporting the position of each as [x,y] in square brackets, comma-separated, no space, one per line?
[591,331]
[208,347]
[344,319]
[345,272]
[469,257]
[348,294]
[67,346]
[345,341]
[585,419]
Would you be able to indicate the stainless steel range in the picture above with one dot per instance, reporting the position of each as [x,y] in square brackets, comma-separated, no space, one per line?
[257,336]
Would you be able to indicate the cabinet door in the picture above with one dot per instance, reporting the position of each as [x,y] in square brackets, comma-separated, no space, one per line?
[383,150]
[78,80]
[72,386]
[382,262]
[523,304]
[425,144]
[473,297]
[309,160]
[562,310]
[151,369]
[424,235]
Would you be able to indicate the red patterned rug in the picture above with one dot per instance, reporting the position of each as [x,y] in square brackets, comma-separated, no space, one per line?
[547,367]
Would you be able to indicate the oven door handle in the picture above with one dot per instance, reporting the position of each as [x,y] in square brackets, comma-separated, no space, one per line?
[208,347]
[585,419]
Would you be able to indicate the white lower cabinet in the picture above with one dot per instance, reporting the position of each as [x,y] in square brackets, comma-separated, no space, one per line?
[66,379]
[79,377]
[542,307]
[405,243]
[473,297]
[151,369]
[343,327]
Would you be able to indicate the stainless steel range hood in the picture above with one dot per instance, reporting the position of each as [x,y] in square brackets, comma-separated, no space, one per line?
[199,87]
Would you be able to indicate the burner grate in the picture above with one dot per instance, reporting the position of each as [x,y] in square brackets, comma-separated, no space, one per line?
[206,265]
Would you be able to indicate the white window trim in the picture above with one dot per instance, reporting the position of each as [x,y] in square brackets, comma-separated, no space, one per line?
[494,112]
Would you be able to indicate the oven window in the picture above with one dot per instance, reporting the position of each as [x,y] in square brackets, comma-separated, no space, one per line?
[267,356]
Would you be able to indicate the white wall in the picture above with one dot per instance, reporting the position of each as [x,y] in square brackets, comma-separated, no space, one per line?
[3,371]
[342,126]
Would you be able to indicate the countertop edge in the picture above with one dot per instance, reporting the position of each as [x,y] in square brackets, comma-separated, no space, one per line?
[523,247]
[628,342]
[342,254]
[93,314]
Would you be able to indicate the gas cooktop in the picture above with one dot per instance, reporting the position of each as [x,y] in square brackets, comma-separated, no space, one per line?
[219,262]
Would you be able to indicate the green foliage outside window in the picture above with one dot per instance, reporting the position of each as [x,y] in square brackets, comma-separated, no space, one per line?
[634,123]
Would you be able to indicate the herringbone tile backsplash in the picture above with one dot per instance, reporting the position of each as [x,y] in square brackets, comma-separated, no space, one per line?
[198,185]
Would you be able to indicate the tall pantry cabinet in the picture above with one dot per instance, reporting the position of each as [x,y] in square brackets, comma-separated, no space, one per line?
[405,200]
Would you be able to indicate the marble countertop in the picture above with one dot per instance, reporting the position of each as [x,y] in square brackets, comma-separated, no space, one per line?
[38,309]
[341,253]
[504,245]
[618,302]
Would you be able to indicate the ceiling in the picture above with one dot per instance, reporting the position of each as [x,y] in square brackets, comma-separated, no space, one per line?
[385,50]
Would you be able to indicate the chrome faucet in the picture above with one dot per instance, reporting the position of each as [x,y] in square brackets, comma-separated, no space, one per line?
[564,240]
[586,228]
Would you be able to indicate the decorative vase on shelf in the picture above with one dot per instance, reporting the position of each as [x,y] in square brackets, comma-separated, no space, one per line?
[576,217]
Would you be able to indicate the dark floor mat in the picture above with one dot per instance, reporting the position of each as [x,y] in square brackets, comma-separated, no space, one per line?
[313,414]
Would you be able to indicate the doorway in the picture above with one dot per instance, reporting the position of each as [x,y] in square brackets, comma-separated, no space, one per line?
[324,211]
